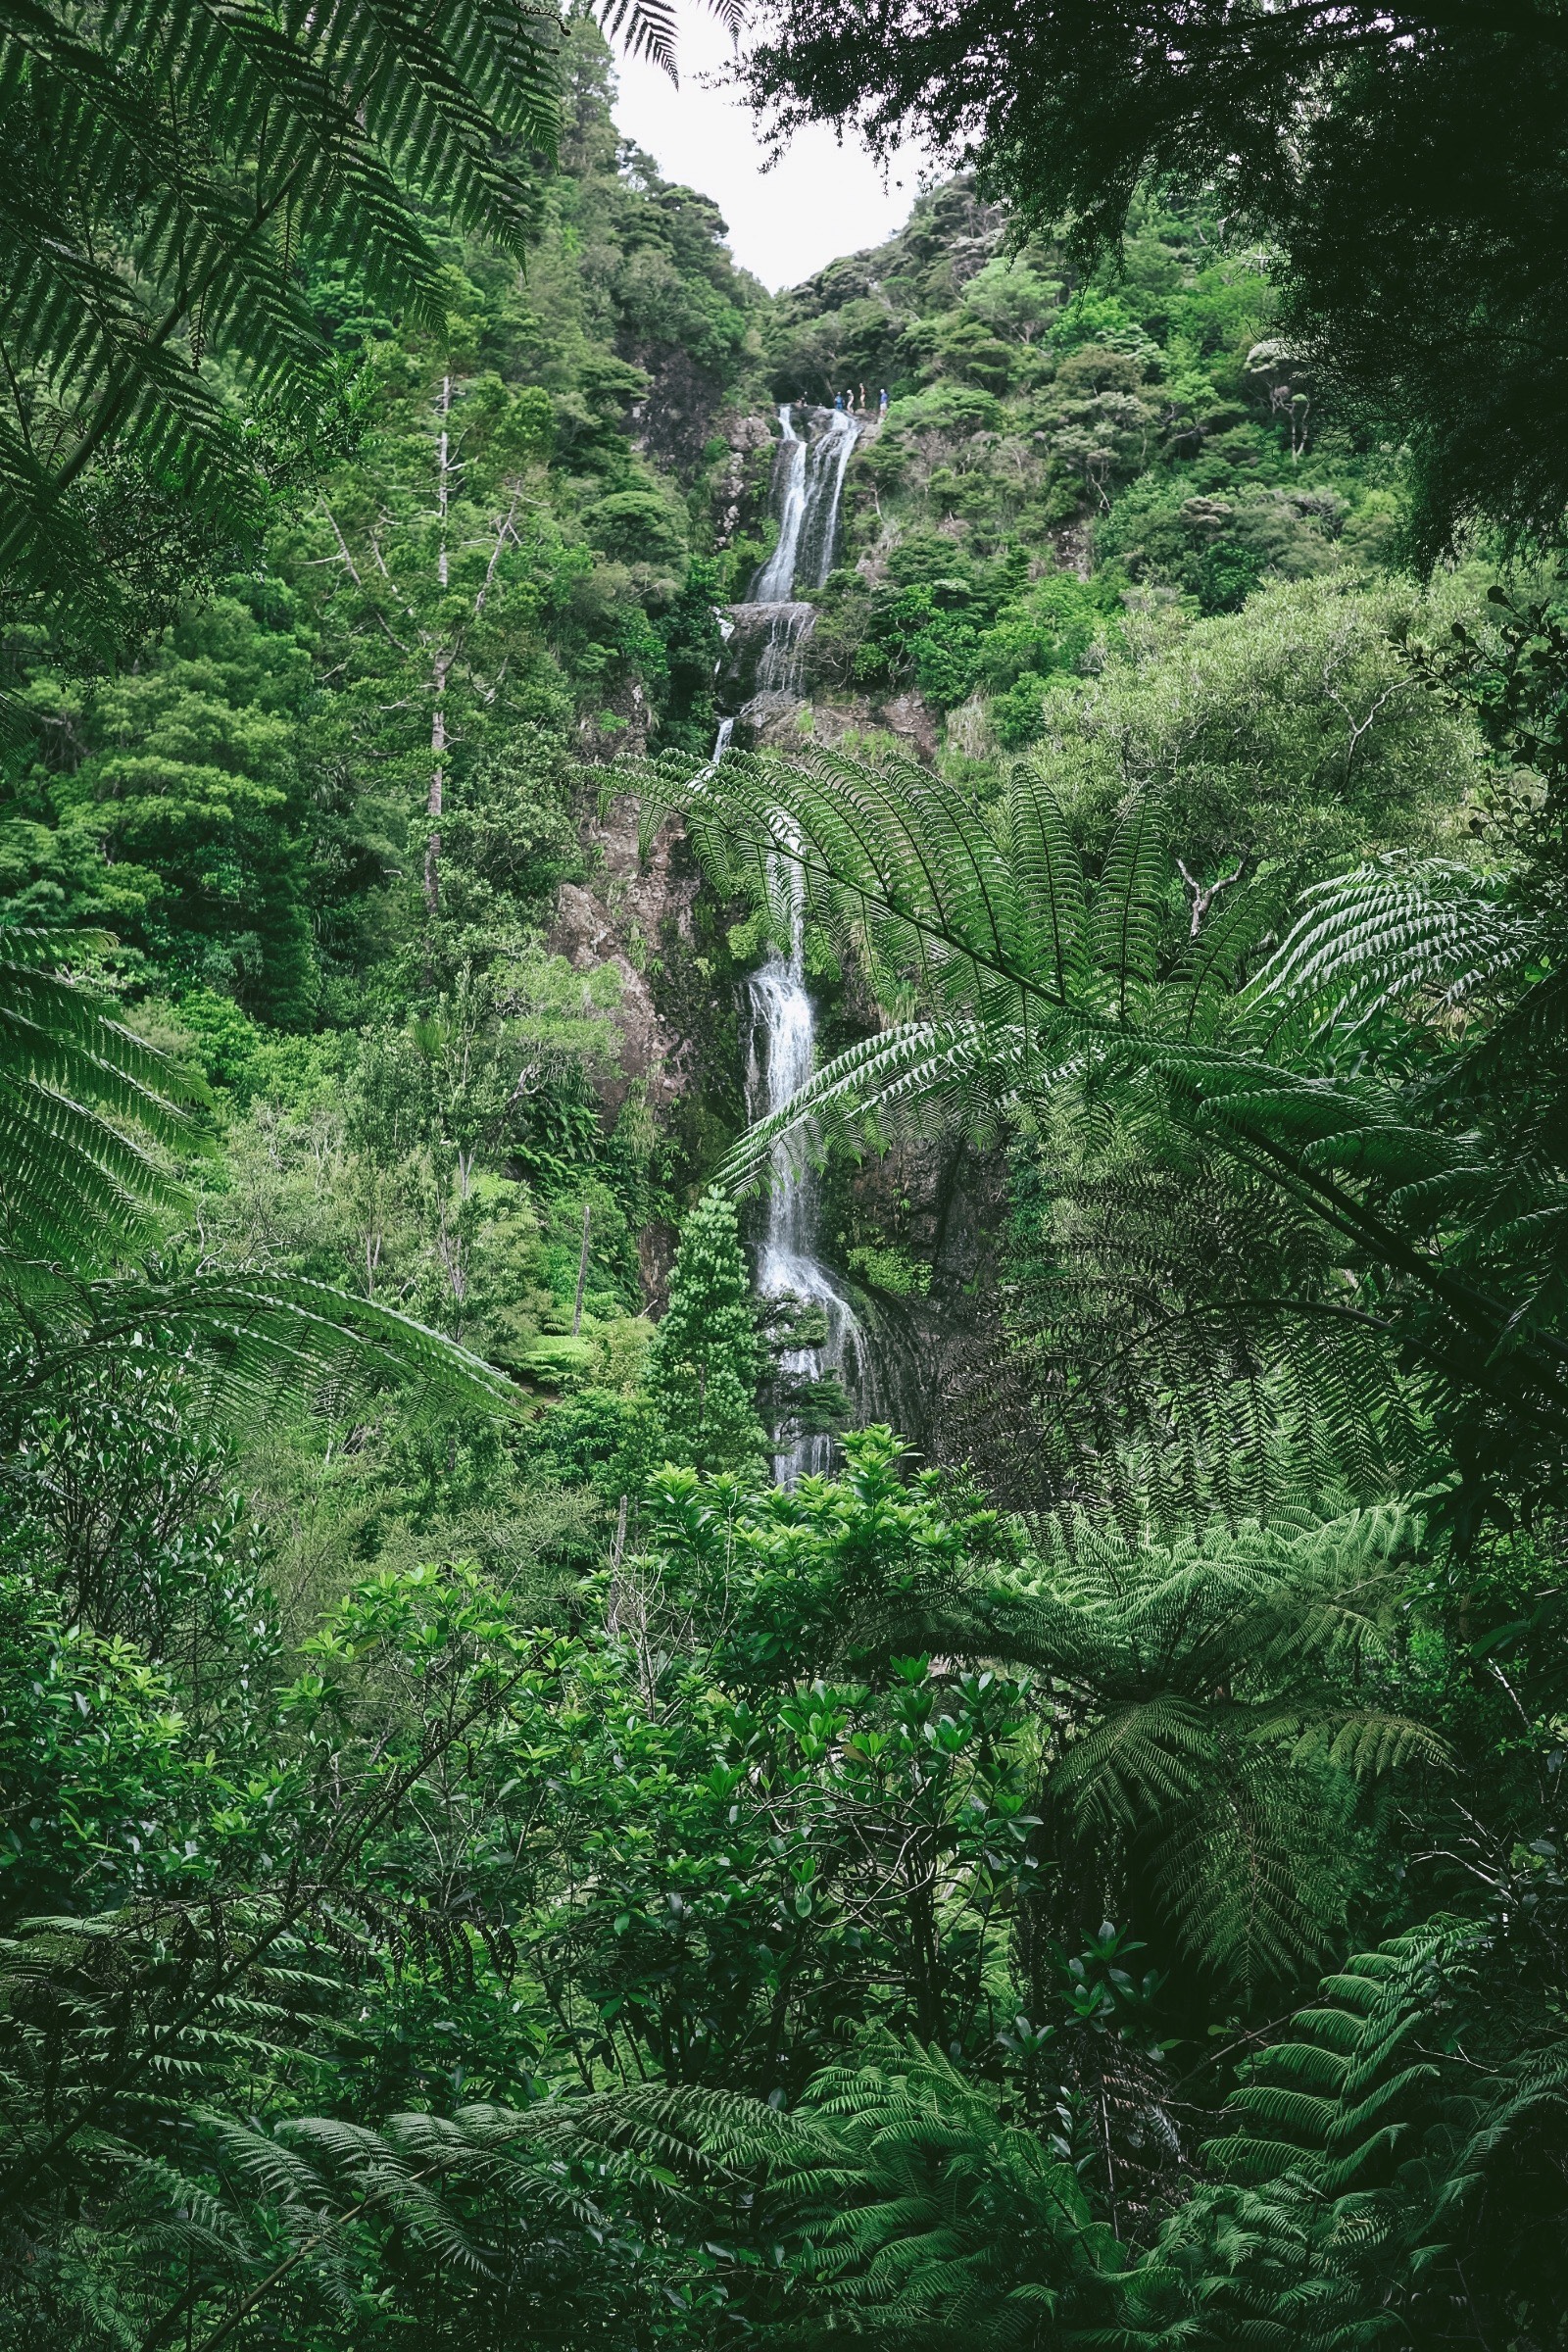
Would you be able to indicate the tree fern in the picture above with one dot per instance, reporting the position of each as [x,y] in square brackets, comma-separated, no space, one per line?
[89,1112]
[90,1120]
[479,2214]
[1033,994]
[913,2211]
[1172,1334]
[1392,2178]
[1385,2181]
[1214,1704]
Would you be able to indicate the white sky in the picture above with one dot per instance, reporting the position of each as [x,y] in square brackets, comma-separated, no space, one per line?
[823,200]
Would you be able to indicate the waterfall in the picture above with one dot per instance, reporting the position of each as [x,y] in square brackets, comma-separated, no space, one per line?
[782,658]
[776,577]
[782,1055]
[825,464]
[808,486]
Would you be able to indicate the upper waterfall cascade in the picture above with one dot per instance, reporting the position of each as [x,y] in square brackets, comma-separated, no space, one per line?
[809,469]
[807,485]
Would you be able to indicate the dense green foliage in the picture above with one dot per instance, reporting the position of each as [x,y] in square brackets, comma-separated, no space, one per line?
[705,1360]
[484,1858]
[1157,405]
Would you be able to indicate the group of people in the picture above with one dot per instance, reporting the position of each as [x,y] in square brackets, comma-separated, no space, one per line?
[846,400]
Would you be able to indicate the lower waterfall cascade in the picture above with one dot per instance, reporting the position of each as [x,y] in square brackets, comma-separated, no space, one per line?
[783,1047]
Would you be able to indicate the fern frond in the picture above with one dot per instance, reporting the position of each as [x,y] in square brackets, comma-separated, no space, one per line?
[169,164]
[90,1119]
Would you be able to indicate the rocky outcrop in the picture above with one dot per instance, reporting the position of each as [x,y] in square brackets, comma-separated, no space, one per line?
[627,916]
[911,717]
[742,476]
[620,726]
[673,423]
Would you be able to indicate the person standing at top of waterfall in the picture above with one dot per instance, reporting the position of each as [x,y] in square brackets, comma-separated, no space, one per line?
[837,402]
[862,396]
[882,403]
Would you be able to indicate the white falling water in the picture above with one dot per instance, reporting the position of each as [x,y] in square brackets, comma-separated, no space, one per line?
[776,576]
[807,484]
[781,662]
[783,1055]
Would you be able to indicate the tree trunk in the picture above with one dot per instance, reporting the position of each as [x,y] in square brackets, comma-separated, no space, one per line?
[433,806]
[582,1269]
[438,716]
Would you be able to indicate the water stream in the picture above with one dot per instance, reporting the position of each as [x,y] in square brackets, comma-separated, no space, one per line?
[807,484]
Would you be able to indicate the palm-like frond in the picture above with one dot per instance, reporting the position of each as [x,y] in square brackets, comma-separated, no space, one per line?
[249,1344]
[1217,1699]
[1377,936]
[89,1114]
[166,166]
[920,2214]
[489,2199]
[1374,2164]
[648,28]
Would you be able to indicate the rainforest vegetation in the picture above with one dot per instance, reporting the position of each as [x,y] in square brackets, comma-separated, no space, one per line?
[546,1797]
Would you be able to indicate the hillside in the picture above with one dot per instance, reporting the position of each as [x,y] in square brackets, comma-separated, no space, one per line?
[1056,448]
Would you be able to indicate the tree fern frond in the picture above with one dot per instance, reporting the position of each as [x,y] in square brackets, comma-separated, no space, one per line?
[644,29]
[1138,1764]
[90,1116]
[169,163]
[1049,877]
[1386,931]
[1133,896]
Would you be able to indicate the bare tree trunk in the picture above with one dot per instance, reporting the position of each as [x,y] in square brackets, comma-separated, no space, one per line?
[443,478]
[1202,899]
[433,806]
[438,715]
[582,1269]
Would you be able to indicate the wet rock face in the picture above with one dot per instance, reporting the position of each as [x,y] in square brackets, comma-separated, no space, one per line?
[621,918]
[944,1206]
[791,724]
[764,665]
[742,483]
